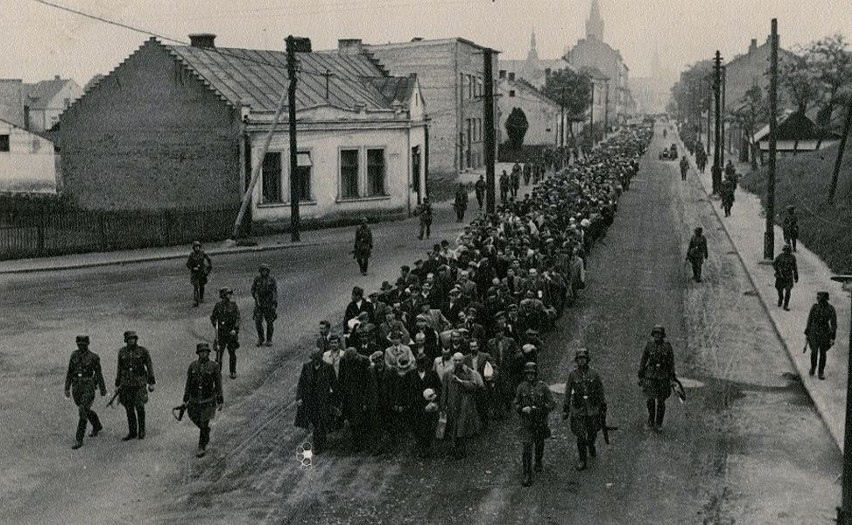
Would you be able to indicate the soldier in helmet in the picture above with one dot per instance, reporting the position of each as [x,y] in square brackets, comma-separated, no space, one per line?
[786,273]
[656,372]
[84,375]
[135,373]
[821,331]
[226,319]
[264,289]
[533,402]
[202,394]
[790,227]
[363,245]
[199,265]
[696,253]
[585,405]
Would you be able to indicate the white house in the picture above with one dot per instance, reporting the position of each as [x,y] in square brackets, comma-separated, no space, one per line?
[27,161]
[542,113]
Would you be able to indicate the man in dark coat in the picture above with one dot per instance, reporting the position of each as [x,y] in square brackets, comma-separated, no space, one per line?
[585,405]
[460,204]
[820,332]
[696,253]
[84,375]
[135,374]
[316,399]
[424,211]
[356,393]
[226,320]
[363,245]
[533,402]
[786,273]
[264,290]
[729,187]
[684,167]
[424,403]
[503,348]
[200,266]
[791,227]
[324,337]
[202,394]
[656,372]
[480,188]
[356,306]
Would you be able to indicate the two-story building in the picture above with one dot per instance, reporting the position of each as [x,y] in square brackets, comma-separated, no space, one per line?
[542,114]
[182,127]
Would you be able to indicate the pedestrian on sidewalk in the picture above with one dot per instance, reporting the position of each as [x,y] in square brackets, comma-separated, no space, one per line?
[135,373]
[202,394]
[264,290]
[480,188]
[460,203]
[684,167]
[363,245]
[820,332]
[84,375]
[585,405]
[533,402]
[791,227]
[696,253]
[226,320]
[786,273]
[656,372]
[424,211]
[729,187]
[200,266]
[504,187]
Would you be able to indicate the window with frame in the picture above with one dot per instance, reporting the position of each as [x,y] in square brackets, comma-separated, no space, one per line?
[349,173]
[4,143]
[271,187]
[303,175]
[375,172]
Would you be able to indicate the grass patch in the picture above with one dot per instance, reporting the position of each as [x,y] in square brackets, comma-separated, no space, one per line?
[803,181]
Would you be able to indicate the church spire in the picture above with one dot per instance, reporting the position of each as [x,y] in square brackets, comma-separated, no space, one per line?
[595,24]
[533,53]
[532,41]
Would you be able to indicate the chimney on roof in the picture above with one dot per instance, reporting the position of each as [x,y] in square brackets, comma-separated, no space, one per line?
[350,46]
[511,75]
[417,39]
[502,73]
[202,40]
[56,77]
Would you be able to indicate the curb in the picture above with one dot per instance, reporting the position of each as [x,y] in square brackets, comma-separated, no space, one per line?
[152,258]
[791,354]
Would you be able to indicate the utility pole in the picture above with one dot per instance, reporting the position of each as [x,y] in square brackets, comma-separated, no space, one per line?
[592,118]
[562,125]
[836,173]
[717,93]
[294,45]
[606,109]
[769,234]
[488,122]
[844,511]
[709,110]
[724,112]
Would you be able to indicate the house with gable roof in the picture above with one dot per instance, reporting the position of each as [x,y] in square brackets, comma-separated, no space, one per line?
[176,127]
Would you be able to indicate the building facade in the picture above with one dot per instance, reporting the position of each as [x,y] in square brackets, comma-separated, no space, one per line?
[27,161]
[450,72]
[533,69]
[183,126]
[37,107]
[542,113]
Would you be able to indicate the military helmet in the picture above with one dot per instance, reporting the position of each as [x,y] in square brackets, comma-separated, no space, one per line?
[787,248]
[658,329]
[130,334]
[84,339]
[581,352]
[202,347]
[530,367]
[263,267]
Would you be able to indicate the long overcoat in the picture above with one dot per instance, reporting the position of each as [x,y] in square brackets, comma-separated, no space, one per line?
[656,369]
[318,391]
[458,398]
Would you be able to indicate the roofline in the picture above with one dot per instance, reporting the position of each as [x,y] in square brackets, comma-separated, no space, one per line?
[435,41]
[25,130]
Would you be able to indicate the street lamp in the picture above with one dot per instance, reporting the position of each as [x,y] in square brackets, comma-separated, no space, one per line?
[844,511]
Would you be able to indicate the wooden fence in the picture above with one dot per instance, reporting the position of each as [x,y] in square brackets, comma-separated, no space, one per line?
[53,232]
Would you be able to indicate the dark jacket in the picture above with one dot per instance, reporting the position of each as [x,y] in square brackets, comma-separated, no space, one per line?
[84,374]
[226,316]
[356,390]
[352,311]
[363,241]
[264,289]
[534,425]
[822,325]
[317,389]
[697,250]
[657,369]
[203,390]
[199,265]
[786,270]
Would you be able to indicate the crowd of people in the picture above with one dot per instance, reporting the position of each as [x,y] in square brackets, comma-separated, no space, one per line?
[444,349]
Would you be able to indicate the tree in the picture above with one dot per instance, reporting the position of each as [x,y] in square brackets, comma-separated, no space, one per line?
[570,90]
[516,128]
[831,65]
[796,74]
[753,111]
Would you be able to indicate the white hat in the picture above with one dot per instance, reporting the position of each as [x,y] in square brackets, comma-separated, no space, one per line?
[429,394]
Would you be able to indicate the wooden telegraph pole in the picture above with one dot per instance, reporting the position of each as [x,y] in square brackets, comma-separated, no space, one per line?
[769,234]
[294,45]
[488,122]
[717,94]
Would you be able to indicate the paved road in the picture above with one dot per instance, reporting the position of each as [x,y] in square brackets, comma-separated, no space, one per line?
[747,447]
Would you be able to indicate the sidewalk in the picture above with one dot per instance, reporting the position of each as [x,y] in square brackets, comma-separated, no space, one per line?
[745,228]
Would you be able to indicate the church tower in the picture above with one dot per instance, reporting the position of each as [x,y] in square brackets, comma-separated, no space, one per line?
[595,24]
[533,54]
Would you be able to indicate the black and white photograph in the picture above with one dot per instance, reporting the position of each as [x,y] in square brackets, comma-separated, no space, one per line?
[545,262]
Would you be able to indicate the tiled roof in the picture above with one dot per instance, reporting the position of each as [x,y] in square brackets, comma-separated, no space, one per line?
[259,78]
[41,93]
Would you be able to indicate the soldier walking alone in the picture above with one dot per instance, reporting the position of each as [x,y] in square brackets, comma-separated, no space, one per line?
[135,374]
[199,265]
[684,167]
[479,189]
[533,402]
[697,253]
[656,372]
[585,405]
[264,289]
[820,332]
[84,375]
[786,273]
[226,320]
[460,203]
[202,394]
[363,245]
[424,211]
[791,227]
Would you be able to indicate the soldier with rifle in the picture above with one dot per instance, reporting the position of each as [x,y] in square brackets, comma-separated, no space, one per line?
[533,402]
[135,373]
[226,320]
[656,373]
[585,406]
[84,375]
[202,395]
[199,265]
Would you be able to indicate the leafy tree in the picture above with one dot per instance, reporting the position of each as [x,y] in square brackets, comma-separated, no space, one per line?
[571,90]
[796,74]
[831,65]
[752,112]
[516,128]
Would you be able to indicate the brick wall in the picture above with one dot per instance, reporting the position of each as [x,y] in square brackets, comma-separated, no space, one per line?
[150,136]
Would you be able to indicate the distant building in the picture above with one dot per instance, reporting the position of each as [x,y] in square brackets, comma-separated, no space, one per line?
[593,52]
[795,133]
[751,69]
[542,113]
[182,126]
[27,161]
[533,69]
[36,107]
[450,72]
